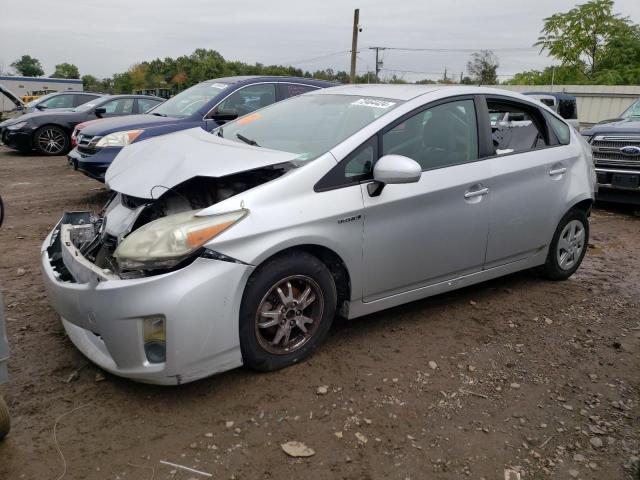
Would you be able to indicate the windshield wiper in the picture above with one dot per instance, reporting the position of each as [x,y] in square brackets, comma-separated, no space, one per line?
[247,140]
[158,114]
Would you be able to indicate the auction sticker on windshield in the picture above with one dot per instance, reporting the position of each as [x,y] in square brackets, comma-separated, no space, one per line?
[221,86]
[373,102]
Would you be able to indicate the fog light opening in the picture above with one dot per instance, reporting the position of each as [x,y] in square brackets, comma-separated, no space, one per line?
[155,346]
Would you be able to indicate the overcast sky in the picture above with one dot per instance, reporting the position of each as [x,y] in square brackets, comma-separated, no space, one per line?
[103,37]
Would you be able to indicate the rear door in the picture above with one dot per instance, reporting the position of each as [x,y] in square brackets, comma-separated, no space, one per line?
[427,232]
[530,169]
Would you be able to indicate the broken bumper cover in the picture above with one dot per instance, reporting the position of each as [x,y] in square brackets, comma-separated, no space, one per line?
[103,314]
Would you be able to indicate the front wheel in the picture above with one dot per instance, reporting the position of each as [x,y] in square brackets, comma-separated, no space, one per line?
[568,246]
[51,140]
[287,309]
[5,421]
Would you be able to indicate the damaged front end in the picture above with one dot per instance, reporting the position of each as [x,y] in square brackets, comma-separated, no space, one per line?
[137,237]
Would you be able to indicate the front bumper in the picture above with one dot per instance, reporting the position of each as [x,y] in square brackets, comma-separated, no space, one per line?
[17,139]
[618,185]
[103,315]
[93,165]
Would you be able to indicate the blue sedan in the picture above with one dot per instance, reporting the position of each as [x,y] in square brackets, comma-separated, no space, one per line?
[208,105]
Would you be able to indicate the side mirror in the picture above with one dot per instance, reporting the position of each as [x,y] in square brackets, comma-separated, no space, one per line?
[393,169]
[41,107]
[222,116]
[100,111]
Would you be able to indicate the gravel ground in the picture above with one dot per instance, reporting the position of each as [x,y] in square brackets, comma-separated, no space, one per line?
[519,374]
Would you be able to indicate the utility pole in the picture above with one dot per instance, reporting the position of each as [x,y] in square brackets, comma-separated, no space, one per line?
[354,43]
[378,61]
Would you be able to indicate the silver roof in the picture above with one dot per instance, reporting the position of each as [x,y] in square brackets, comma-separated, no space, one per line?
[395,91]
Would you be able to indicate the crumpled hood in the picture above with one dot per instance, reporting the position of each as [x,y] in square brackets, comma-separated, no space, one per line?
[169,160]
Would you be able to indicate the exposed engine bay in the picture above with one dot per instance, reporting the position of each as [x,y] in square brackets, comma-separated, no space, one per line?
[97,237]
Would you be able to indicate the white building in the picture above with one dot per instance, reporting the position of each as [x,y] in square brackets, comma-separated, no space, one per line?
[21,86]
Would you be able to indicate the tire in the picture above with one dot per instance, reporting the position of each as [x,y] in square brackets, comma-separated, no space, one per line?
[5,421]
[568,247]
[305,306]
[51,140]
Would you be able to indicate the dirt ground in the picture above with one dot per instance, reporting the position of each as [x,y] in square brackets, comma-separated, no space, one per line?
[516,374]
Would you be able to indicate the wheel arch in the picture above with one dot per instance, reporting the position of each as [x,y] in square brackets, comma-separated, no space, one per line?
[331,260]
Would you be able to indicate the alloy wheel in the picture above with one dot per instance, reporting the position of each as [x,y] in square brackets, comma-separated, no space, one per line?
[570,244]
[51,141]
[289,314]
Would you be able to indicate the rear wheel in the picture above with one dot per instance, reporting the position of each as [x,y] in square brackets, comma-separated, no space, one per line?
[5,422]
[287,309]
[568,246]
[51,140]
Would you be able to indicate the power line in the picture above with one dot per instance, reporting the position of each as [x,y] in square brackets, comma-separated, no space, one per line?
[308,60]
[392,70]
[463,50]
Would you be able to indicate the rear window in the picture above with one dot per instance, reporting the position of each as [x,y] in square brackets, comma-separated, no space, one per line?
[567,109]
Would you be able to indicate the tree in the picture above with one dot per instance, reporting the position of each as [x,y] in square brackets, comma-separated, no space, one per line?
[28,66]
[483,67]
[585,35]
[66,70]
[138,76]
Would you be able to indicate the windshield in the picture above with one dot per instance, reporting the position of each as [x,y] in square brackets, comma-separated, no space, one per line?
[632,111]
[190,101]
[308,125]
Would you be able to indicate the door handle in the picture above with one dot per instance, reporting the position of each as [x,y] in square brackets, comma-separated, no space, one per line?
[476,193]
[557,171]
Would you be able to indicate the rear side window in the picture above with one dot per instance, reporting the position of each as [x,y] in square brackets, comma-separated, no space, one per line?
[439,136]
[293,89]
[516,127]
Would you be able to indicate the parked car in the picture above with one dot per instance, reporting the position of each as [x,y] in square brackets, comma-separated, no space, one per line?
[60,100]
[207,105]
[241,245]
[616,153]
[566,105]
[49,133]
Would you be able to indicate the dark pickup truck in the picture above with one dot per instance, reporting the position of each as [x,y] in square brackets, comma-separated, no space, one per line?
[616,154]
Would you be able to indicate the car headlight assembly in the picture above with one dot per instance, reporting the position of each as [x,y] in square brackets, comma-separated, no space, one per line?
[16,126]
[119,139]
[165,242]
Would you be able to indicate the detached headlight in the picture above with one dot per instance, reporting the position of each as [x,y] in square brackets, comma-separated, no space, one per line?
[16,126]
[165,242]
[119,139]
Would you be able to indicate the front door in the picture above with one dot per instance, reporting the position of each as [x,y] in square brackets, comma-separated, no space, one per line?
[436,229]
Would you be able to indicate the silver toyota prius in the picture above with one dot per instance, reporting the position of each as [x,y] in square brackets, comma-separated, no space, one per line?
[241,245]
